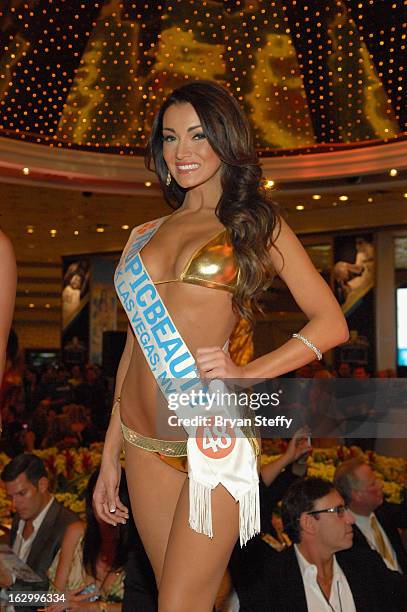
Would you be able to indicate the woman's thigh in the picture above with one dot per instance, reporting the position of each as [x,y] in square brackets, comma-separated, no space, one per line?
[154,489]
[195,564]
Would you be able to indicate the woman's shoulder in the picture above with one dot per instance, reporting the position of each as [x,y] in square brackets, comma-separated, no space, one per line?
[6,247]
[67,563]
[139,231]
[8,271]
[75,530]
[147,225]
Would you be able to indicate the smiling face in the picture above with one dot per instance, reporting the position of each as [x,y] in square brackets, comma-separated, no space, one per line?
[189,157]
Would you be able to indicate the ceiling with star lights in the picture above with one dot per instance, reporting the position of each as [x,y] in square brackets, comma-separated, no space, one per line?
[311,75]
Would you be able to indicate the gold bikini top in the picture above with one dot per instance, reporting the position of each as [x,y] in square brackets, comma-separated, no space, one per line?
[212,265]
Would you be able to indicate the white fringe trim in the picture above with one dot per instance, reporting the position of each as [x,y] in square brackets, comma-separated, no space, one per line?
[249,514]
[200,507]
[200,511]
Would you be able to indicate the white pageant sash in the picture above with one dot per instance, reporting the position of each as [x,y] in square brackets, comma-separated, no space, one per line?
[216,455]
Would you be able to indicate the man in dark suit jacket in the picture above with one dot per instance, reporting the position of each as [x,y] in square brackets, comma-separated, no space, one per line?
[275,478]
[376,522]
[321,571]
[39,523]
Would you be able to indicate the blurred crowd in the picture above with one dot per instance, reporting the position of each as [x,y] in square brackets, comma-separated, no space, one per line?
[55,405]
[103,568]
[323,545]
[319,369]
[69,406]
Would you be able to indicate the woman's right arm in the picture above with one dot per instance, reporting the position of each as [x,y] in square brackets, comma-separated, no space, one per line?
[8,283]
[72,535]
[108,506]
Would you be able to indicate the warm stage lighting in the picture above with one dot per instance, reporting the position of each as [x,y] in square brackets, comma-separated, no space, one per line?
[306,77]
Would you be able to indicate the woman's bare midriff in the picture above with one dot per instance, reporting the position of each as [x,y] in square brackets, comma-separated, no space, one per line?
[204,317]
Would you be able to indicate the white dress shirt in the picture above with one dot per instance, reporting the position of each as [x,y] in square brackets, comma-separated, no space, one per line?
[21,546]
[363,522]
[341,598]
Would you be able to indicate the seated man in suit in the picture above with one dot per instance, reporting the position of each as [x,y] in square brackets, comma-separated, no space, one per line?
[376,522]
[39,523]
[275,478]
[321,572]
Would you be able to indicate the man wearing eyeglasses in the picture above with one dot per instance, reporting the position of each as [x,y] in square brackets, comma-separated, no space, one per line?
[376,522]
[320,572]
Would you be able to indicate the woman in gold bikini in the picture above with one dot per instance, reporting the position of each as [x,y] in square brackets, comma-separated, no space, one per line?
[208,262]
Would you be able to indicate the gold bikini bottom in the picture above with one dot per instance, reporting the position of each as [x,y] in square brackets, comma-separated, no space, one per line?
[172,452]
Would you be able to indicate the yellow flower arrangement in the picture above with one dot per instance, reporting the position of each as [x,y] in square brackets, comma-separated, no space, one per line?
[70,469]
[71,501]
[322,462]
[4,505]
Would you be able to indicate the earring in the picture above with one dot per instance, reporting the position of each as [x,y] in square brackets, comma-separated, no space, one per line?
[168,181]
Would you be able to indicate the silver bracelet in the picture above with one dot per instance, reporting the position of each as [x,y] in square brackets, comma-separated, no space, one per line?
[310,345]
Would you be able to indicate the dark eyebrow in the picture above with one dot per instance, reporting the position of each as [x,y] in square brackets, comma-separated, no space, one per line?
[193,127]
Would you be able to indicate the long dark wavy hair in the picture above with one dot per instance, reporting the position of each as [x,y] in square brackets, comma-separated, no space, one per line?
[92,540]
[250,217]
